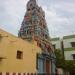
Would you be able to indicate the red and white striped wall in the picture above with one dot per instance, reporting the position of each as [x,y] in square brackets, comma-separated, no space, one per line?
[14,73]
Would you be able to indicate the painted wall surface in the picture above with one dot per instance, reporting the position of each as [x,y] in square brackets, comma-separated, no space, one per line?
[8,49]
[56,43]
[67,42]
[69,55]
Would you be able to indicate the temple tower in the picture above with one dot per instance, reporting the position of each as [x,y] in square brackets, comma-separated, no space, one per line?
[34,23]
[34,28]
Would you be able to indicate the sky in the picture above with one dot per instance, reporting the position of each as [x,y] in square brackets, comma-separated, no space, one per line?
[59,15]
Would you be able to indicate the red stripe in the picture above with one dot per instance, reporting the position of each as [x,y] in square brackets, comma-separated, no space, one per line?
[19,73]
[24,73]
[7,73]
[32,74]
[35,74]
[28,74]
[0,73]
[14,74]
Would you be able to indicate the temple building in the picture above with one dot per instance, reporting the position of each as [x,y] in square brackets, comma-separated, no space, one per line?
[34,28]
[31,51]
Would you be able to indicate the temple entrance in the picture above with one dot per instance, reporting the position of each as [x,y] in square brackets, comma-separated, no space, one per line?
[41,65]
[44,65]
[48,66]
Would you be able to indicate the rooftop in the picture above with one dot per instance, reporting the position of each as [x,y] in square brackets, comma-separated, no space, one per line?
[69,36]
[55,39]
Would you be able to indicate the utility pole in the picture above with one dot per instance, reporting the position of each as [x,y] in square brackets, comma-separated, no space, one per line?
[62,48]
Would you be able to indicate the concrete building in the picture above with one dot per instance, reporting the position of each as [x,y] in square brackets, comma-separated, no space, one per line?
[17,55]
[32,50]
[56,43]
[69,46]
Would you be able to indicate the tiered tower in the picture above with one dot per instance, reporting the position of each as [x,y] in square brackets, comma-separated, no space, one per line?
[34,26]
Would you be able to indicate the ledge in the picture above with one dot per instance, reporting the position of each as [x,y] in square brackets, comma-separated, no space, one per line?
[68,49]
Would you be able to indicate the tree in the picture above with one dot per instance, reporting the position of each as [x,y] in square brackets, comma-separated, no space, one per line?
[59,58]
[67,65]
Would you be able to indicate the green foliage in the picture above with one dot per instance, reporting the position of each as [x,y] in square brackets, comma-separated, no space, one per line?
[68,65]
[59,58]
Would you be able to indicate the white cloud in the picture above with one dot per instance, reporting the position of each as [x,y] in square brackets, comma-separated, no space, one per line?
[11,14]
[60,15]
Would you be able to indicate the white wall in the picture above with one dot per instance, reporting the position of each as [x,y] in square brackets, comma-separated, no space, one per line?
[57,44]
[67,42]
[68,55]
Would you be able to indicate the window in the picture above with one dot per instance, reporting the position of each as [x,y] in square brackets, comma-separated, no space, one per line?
[46,36]
[28,9]
[54,46]
[0,36]
[73,44]
[19,54]
[73,56]
[38,44]
[28,32]
[31,5]
[38,10]
[33,8]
